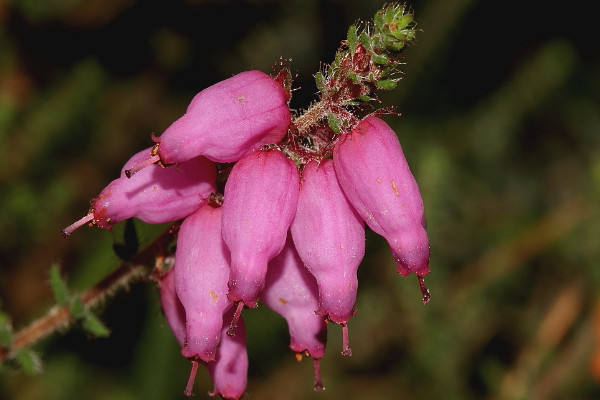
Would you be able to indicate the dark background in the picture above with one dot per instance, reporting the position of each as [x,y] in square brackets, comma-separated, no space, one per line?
[500,123]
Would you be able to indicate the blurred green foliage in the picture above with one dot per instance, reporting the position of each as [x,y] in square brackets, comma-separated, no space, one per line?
[500,123]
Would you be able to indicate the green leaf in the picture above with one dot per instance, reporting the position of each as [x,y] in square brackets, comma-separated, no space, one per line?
[77,309]
[386,84]
[333,122]
[30,361]
[58,285]
[6,331]
[93,325]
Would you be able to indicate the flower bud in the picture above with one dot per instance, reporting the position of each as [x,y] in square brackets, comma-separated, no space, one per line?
[259,204]
[291,291]
[330,238]
[375,176]
[155,196]
[201,275]
[229,371]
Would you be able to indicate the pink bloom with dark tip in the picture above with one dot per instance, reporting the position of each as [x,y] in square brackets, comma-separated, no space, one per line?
[201,275]
[156,195]
[291,291]
[375,176]
[229,370]
[259,204]
[330,238]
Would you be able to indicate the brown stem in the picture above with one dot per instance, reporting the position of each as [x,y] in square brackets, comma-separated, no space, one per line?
[59,317]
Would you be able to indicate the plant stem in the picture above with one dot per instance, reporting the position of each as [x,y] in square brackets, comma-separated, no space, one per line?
[59,317]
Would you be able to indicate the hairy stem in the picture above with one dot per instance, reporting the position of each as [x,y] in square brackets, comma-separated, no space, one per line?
[59,317]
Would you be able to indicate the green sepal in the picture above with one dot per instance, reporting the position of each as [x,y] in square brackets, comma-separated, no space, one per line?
[59,286]
[333,122]
[29,361]
[94,326]
[352,39]
[379,59]
[320,81]
[386,84]
[366,41]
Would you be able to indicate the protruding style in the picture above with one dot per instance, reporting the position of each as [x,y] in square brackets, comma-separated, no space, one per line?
[156,195]
[291,291]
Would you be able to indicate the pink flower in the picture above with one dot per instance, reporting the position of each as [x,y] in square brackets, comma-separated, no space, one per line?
[259,205]
[330,238]
[226,121]
[291,291]
[156,195]
[229,370]
[375,176]
[201,275]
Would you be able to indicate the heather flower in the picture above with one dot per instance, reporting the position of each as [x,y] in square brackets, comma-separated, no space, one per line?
[291,291]
[260,200]
[201,275]
[156,195]
[294,242]
[330,239]
[229,370]
[226,121]
[377,181]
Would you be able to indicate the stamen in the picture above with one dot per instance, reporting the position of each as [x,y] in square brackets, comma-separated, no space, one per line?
[424,290]
[132,171]
[346,350]
[318,379]
[69,229]
[235,319]
[190,384]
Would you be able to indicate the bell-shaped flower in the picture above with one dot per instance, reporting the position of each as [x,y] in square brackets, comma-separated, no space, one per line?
[201,275]
[330,238]
[291,291]
[226,121]
[155,196]
[375,176]
[259,204]
[229,370]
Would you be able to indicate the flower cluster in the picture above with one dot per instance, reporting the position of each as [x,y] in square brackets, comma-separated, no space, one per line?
[288,226]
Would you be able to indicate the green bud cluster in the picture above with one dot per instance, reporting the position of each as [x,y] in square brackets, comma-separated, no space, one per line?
[367,61]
